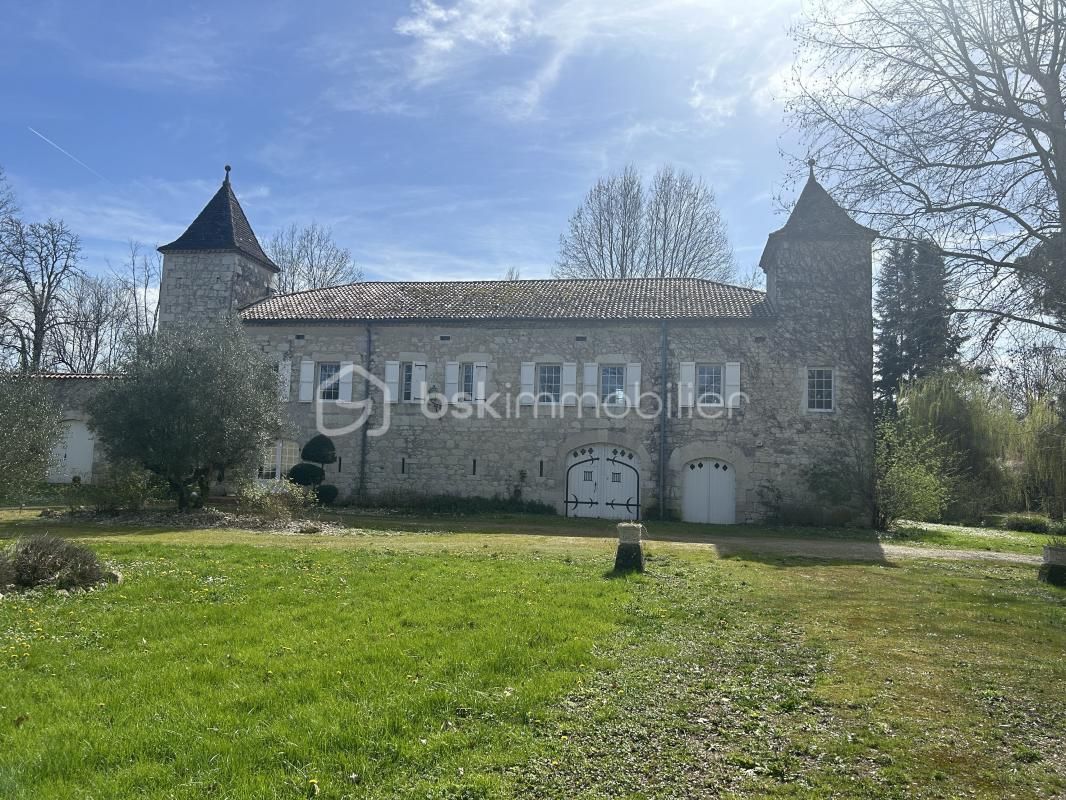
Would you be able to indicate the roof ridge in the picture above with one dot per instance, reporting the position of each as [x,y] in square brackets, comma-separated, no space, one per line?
[506,281]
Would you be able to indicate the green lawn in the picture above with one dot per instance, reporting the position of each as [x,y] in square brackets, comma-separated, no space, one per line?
[473,665]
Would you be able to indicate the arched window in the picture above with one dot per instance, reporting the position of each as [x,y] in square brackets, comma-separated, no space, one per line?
[278,459]
[290,456]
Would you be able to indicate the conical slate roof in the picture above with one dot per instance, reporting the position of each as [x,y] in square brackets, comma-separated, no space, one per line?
[816,215]
[222,225]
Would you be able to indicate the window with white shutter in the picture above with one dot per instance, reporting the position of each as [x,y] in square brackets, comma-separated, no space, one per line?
[451,381]
[346,382]
[569,384]
[590,384]
[392,381]
[686,384]
[527,376]
[732,384]
[307,381]
[633,384]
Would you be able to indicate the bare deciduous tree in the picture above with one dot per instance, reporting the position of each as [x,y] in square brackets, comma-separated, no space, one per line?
[674,230]
[140,281]
[605,236]
[684,234]
[946,120]
[310,259]
[43,259]
[94,315]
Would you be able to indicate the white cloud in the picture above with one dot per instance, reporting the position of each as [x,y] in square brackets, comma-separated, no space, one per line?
[510,54]
[449,36]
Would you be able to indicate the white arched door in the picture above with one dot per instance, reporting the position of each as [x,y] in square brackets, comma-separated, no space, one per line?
[603,480]
[709,492]
[73,456]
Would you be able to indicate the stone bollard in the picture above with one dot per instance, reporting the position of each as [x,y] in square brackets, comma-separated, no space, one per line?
[630,554]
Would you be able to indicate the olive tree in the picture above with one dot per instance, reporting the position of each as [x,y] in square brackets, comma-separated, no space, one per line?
[31,427]
[192,402]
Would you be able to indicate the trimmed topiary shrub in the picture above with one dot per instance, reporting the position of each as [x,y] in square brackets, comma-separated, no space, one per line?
[1025,522]
[304,474]
[319,450]
[327,493]
[46,560]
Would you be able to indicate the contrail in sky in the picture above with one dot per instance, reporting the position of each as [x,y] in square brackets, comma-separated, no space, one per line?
[68,155]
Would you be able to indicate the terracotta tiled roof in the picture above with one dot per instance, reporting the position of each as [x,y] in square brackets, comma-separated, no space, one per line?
[651,298]
[222,225]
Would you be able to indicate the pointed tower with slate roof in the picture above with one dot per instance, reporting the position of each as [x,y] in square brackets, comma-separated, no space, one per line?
[819,282]
[216,267]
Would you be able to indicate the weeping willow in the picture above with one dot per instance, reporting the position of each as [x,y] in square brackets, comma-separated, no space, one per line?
[1043,442]
[974,423]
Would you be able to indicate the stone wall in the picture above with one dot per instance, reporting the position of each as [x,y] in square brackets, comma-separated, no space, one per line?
[205,285]
[771,439]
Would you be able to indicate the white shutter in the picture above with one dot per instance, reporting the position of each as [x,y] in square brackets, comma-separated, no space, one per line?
[418,382]
[569,384]
[590,385]
[686,387]
[529,369]
[307,381]
[731,384]
[451,381]
[633,384]
[284,379]
[392,380]
[481,378]
[345,394]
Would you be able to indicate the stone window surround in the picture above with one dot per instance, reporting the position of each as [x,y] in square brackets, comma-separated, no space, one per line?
[333,390]
[832,389]
[699,395]
[538,392]
[601,395]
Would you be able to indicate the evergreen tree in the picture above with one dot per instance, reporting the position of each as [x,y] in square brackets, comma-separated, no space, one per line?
[915,335]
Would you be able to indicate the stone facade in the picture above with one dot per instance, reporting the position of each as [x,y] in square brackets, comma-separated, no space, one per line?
[770,440]
[201,286]
[816,315]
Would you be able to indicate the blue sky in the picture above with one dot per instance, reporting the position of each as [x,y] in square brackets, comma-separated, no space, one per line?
[440,140]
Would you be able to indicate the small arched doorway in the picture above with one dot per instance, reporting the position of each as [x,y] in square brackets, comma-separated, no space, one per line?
[709,492]
[72,457]
[603,480]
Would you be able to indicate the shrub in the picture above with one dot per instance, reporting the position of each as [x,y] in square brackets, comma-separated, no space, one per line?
[326,493]
[46,560]
[319,450]
[279,500]
[125,487]
[1025,522]
[7,572]
[454,504]
[304,474]
[911,475]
